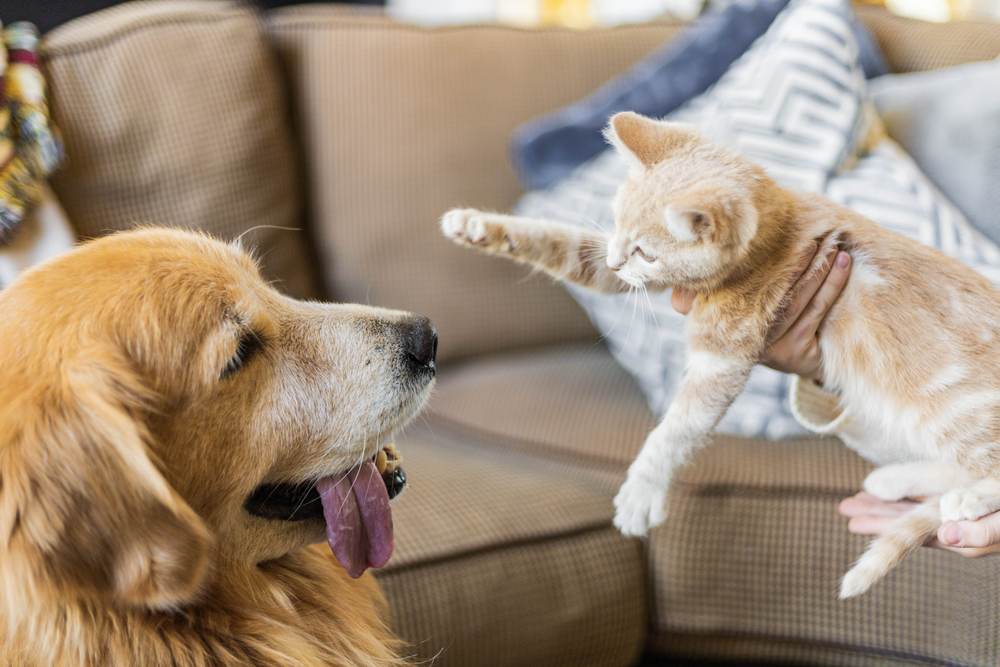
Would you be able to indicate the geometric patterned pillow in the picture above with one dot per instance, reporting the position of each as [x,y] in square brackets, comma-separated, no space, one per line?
[796,103]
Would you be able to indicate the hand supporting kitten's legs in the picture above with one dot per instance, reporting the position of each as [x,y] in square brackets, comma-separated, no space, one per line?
[913,529]
[971,502]
[563,251]
[972,539]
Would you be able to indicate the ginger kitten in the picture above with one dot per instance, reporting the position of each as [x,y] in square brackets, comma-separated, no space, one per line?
[912,344]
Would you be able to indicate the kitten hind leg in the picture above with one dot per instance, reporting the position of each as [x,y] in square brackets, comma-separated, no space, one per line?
[971,502]
[915,479]
[563,251]
[905,535]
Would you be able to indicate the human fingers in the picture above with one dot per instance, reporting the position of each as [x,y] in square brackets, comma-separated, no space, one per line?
[967,552]
[983,533]
[865,504]
[821,301]
[870,524]
[870,516]
[682,298]
[801,293]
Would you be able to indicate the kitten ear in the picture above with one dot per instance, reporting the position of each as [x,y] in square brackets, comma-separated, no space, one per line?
[711,215]
[642,142]
[688,225]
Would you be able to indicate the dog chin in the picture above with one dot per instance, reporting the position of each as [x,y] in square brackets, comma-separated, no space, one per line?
[348,509]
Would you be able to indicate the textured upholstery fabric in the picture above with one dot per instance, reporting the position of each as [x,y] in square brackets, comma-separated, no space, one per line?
[576,601]
[724,649]
[465,497]
[173,113]
[400,124]
[503,558]
[910,45]
[568,401]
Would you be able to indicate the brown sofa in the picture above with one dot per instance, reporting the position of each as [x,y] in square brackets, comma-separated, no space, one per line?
[360,132]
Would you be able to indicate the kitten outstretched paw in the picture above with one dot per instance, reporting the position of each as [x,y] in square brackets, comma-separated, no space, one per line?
[639,506]
[465,225]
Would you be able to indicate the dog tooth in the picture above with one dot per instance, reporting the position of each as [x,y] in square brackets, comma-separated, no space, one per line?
[380,462]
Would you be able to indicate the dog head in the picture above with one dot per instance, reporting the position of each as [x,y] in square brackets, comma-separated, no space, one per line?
[164,410]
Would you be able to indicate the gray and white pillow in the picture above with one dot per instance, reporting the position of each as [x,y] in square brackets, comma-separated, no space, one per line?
[949,121]
[796,103]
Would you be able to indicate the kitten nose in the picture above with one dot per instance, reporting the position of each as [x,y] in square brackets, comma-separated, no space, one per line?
[615,263]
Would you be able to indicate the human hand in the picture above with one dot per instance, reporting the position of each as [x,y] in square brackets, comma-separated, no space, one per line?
[792,343]
[973,539]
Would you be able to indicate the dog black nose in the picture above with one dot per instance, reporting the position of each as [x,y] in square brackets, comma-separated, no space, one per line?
[422,344]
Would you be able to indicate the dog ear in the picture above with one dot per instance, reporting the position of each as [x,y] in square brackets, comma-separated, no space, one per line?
[643,142]
[83,496]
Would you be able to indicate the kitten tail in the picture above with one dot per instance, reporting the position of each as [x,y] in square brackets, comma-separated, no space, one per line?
[886,551]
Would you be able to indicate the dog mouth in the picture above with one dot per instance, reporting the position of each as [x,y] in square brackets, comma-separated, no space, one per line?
[353,504]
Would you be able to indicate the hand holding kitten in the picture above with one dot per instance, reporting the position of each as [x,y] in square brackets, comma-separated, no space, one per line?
[794,346]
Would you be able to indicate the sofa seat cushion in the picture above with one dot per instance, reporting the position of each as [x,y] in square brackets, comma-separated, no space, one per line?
[561,401]
[504,558]
[173,113]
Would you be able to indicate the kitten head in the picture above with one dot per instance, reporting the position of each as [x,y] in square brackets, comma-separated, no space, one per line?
[687,212]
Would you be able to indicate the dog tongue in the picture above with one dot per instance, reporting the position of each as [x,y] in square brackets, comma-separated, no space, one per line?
[358,518]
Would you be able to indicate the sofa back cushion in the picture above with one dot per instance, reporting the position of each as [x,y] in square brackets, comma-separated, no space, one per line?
[909,45]
[173,113]
[399,124]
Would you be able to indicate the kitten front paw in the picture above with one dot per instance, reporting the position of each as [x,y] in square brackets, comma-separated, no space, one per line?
[465,226]
[639,506]
[967,505]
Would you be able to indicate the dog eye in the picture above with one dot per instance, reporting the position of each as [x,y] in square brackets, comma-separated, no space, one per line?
[248,345]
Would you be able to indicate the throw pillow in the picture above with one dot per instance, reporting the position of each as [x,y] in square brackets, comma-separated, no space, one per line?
[949,121]
[796,102]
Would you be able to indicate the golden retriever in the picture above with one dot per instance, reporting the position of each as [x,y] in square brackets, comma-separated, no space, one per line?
[174,435]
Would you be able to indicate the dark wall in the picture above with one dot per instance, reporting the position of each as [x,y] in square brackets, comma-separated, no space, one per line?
[47,14]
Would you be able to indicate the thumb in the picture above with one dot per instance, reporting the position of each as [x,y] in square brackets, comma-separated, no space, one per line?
[982,532]
[682,299]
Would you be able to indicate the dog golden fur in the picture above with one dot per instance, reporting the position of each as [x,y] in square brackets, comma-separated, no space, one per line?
[165,420]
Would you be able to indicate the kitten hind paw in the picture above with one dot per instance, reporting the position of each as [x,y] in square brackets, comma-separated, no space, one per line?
[967,505]
[639,506]
[886,483]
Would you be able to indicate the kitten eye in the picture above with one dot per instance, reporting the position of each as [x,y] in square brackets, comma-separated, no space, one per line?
[248,345]
[643,255]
